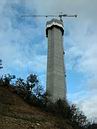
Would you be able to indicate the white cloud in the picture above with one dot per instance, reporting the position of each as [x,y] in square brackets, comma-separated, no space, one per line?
[89,106]
[87,102]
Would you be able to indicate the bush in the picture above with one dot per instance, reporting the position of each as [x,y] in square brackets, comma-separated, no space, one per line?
[6,80]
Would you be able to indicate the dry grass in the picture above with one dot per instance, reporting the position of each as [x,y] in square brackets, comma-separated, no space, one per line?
[17,114]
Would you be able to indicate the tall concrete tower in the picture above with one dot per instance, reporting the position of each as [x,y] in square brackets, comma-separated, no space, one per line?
[56,84]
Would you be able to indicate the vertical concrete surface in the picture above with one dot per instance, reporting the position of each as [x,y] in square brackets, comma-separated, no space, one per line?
[56,84]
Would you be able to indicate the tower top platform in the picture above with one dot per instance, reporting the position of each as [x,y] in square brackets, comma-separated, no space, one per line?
[54,23]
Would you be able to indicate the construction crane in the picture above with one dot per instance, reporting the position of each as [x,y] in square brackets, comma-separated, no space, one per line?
[60,15]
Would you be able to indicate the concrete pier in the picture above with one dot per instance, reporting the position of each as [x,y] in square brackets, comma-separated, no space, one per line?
[56,83]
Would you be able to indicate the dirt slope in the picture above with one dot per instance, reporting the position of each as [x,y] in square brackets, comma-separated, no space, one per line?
[17,114]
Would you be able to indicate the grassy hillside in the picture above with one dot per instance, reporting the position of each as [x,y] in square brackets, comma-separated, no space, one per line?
[23,106]
[15,113]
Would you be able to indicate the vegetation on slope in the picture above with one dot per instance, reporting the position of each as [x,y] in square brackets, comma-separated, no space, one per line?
[31,92]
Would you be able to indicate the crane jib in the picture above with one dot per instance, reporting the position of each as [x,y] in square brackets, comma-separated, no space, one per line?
[60,16]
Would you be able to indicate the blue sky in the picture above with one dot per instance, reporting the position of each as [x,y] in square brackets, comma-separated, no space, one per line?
[23,45]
